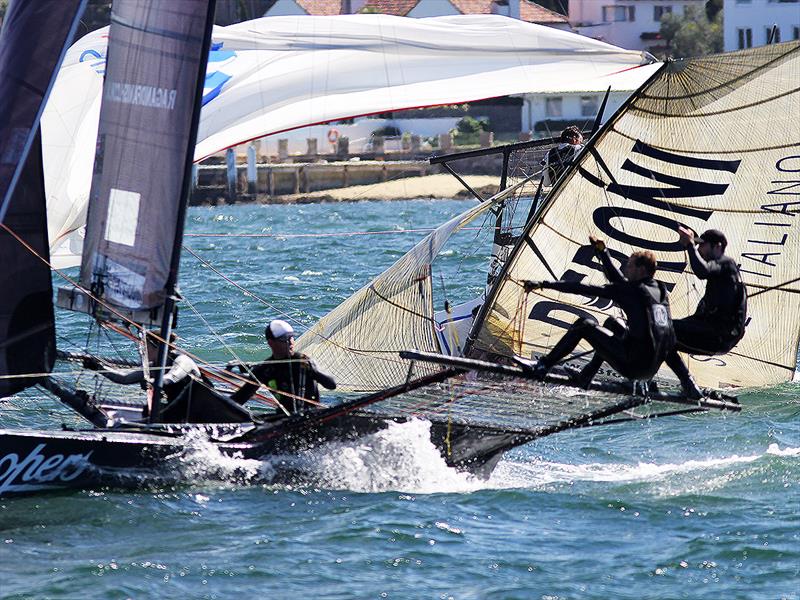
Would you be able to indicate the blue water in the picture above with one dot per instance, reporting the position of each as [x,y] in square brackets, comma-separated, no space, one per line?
[702,506]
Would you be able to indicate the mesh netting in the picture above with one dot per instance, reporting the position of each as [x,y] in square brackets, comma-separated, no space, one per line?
[499,403]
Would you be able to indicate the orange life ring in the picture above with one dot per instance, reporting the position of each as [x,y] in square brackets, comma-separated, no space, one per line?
[333,136]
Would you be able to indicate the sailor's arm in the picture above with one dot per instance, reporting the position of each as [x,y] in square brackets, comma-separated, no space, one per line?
[703,269]
[611,271]
[325,380]
[246,391]
[573,287]
[700,267]
[123,377]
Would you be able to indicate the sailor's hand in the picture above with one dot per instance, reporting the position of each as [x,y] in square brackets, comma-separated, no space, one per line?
[687,236]
[529,286]
[91,363]
[598,244]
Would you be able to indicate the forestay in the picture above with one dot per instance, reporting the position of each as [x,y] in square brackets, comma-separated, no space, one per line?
[708,143]
[279,73]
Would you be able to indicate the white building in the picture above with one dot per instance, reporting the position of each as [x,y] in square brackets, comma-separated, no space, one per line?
[631,24]
[748,23]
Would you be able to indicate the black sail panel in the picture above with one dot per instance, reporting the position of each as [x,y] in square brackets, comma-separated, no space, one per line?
[155,58]
[33,41]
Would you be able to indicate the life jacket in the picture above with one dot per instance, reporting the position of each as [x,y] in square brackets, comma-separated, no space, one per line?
[659,320]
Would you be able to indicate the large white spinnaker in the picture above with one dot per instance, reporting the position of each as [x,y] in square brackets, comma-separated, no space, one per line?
[279,73]
[711,142]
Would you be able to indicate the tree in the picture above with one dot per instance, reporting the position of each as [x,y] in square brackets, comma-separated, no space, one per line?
[691,34]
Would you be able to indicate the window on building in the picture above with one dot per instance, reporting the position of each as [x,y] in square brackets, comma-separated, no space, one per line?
[615,13]
[745,35]
[796,32]
[552,106]
[776,35]
[589,106]
[660,11]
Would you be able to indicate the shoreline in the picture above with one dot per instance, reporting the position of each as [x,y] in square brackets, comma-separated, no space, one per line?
[441,186]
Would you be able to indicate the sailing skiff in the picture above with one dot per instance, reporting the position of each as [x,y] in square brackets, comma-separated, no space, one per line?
[477,411]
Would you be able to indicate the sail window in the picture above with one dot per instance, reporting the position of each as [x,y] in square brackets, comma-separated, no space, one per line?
[122,217]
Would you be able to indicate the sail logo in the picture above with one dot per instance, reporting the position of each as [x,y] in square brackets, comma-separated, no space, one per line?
[141,95]
[647,215]
[216,78]
[18,473]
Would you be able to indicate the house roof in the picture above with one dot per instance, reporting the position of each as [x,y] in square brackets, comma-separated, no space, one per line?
[535,13]
[399,8]
[529,11]
[321,8]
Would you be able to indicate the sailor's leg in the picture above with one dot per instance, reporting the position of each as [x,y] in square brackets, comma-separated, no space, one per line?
[584,378]
[690,388]
[578,331]
[607,343]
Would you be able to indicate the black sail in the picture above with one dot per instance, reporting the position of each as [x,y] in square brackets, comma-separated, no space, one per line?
[33,41]
[155,60]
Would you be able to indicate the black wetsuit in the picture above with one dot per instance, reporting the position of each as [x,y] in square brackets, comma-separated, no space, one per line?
[634,349]
[290,381]
[558,159]
[718,323]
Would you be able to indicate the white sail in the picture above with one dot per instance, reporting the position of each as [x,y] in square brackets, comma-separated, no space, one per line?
[360,339]
[708,143]
[279,73]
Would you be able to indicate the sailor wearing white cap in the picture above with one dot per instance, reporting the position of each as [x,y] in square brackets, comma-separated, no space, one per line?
[292,377]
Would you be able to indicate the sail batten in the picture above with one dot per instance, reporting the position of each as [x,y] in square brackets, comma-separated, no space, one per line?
[696,147]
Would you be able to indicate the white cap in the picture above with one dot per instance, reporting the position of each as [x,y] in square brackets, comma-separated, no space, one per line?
[278,330]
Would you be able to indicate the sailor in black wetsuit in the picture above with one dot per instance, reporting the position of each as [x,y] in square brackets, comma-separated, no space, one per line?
[718,323]
[181,369]
[634,349]
[559,158]
[292,377]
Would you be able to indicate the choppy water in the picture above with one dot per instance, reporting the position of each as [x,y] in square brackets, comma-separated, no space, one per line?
[703,506]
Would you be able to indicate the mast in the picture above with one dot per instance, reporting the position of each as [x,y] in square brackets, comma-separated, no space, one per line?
[521,241]
[170,305]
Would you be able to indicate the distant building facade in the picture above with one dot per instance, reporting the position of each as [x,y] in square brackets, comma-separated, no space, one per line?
[631,24]
[749,23]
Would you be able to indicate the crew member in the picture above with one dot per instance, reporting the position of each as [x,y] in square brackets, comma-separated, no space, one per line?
[718,323]
[182,370]
[291,376]
[559,158]
[636,348]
